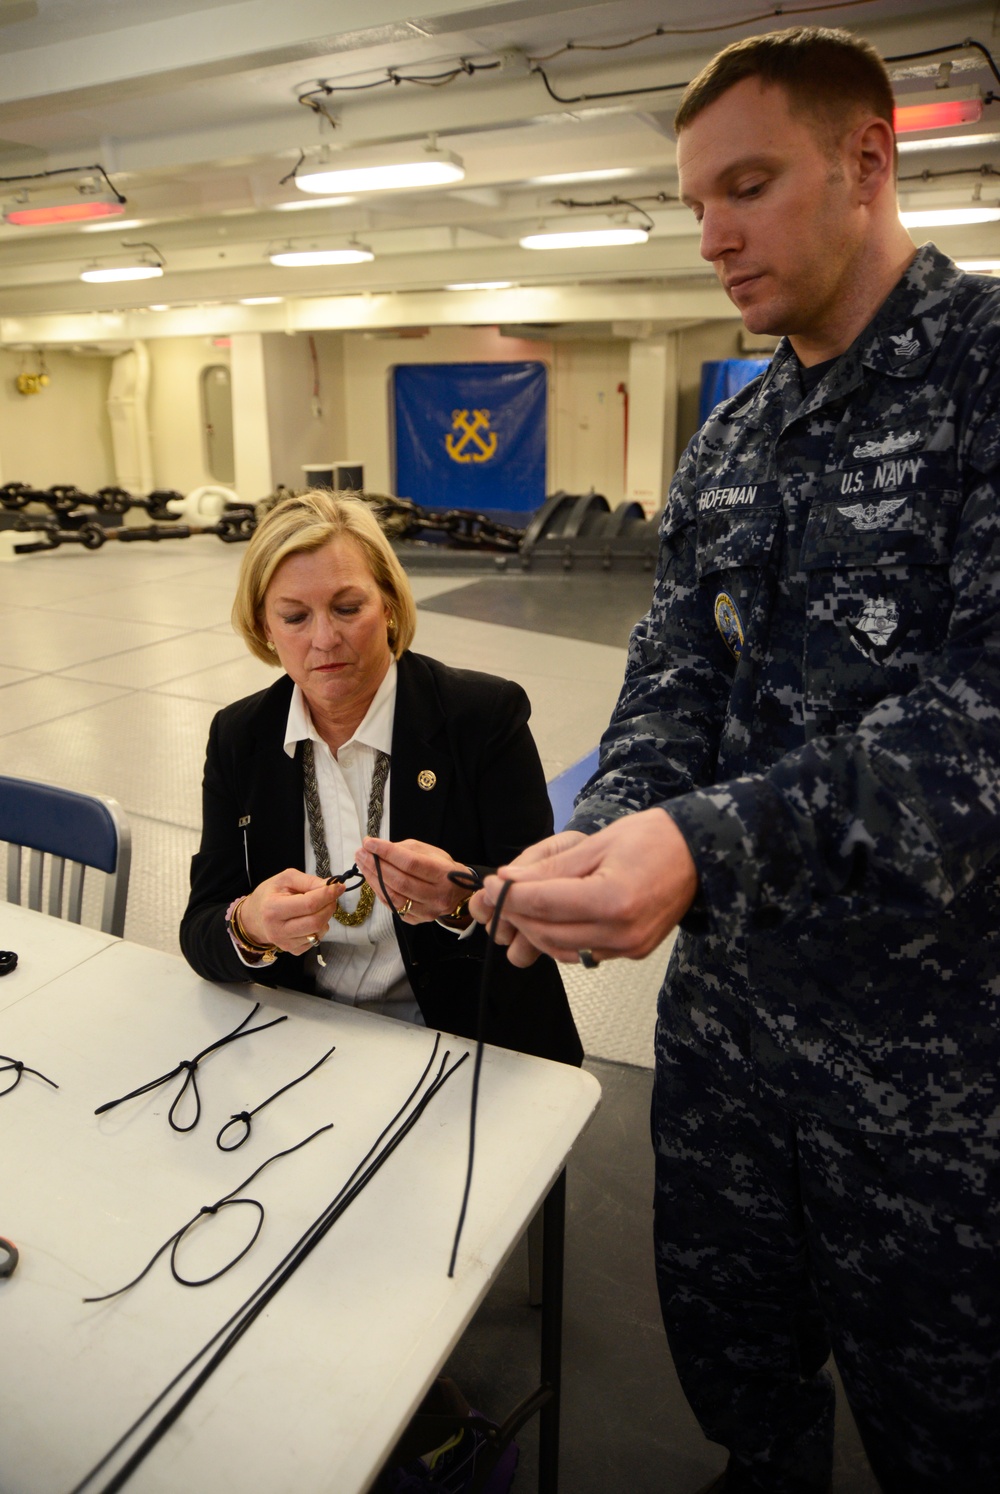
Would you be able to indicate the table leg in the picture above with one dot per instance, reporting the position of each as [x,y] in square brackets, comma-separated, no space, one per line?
[552,1305]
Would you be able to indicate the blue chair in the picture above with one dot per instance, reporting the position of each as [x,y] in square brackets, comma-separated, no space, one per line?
[86,830]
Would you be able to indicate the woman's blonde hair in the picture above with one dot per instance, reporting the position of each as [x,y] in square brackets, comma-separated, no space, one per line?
[307,521]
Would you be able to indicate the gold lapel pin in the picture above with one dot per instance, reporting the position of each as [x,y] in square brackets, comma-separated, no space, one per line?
[426,779]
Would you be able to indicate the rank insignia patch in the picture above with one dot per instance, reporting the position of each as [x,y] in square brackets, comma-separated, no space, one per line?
[729,623]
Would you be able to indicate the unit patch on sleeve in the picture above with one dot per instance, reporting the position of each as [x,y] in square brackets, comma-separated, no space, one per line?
[729,623]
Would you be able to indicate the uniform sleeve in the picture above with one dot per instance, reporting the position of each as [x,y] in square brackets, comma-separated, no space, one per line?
[663,737]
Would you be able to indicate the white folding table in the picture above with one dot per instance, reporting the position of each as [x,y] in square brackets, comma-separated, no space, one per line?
[315,1394]
[50,946]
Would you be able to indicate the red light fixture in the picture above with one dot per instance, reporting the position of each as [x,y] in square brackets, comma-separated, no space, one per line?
[66,212]
[943,116]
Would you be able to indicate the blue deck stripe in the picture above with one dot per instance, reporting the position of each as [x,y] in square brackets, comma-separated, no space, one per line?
[564,788]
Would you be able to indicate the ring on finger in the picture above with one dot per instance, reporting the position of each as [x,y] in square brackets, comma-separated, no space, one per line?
[587,960]
[312,940]
[404,908]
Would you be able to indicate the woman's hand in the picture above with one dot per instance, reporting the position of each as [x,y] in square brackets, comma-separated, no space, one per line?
[291,911]
[415,875]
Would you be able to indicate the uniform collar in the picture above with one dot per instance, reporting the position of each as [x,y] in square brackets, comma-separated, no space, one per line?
[900,340]
[374,731]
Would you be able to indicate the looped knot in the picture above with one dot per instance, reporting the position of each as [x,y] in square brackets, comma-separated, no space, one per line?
[244,1116]
[209,1209]
[187,1063]
[18,1067]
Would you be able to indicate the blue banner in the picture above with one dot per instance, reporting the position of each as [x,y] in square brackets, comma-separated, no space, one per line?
[723,378]
[471,435]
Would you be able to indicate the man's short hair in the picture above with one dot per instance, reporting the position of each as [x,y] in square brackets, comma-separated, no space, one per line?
[828,74]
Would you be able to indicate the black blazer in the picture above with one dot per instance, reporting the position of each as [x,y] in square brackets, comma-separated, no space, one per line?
[488,802]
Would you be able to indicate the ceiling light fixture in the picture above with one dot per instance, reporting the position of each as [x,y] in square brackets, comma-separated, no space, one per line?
[948,217]
[480,285]
[291,258]
[941,116]
[39,201]
[979,266]
[946,142]
[145,266]
[398,167]
[584,238]
[261,300]
[316,202]
[117,225]
[104,274]
[606,175]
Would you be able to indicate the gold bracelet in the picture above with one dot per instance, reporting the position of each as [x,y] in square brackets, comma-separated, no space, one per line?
[266,952]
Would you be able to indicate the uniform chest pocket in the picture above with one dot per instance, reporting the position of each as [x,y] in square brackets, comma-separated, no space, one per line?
[878,596]
[906,530]
[739,541]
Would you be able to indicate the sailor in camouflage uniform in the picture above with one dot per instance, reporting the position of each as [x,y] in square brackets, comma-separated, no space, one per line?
[814,697]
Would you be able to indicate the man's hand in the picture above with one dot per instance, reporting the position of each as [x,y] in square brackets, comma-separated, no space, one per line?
[617,893]
[483,904]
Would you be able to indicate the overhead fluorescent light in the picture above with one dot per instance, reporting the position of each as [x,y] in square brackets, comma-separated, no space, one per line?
[74,202]
[105,274]
[305,202]
[947,142]
[944,115]
[979,266]
[584,238]
[480,285]
[397,169]
[581,176]
[291,258]
[261,300]
[116,225]
[948,217]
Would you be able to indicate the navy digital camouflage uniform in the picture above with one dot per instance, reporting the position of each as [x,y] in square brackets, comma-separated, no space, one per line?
[815,697]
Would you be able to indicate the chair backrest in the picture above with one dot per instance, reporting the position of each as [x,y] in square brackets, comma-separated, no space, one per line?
[85,830]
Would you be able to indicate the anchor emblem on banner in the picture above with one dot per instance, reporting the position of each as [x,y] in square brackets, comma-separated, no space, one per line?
[471,432]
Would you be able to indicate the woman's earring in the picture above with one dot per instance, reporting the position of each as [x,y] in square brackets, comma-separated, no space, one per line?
[271,646]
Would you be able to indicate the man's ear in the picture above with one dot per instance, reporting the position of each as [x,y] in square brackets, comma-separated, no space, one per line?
[872,151]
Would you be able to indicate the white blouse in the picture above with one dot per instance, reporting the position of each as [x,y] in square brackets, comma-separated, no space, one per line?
[363,964]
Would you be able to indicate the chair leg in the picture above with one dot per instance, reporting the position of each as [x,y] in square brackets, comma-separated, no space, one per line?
[536,1235]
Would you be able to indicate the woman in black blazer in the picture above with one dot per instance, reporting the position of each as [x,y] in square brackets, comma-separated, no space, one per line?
[322,593]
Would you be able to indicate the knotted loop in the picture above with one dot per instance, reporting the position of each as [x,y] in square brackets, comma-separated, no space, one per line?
[19,1067]
[191,1065]
[247,1115]
[244,1116]
[224,1203]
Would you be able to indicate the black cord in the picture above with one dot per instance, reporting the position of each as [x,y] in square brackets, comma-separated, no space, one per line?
[484,985]
[19,1069]
[35,176]
[247,1115]
[236,1325]
[209,1210]
[191,1065]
